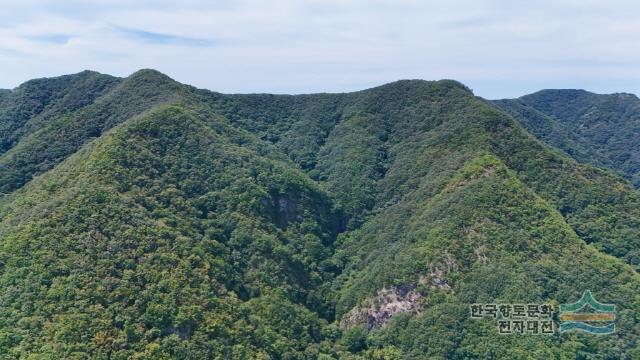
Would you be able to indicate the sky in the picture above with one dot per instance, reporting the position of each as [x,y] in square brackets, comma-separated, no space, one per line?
[499,48]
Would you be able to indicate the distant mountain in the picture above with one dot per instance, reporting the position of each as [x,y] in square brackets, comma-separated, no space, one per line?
[598,129]
[148,219]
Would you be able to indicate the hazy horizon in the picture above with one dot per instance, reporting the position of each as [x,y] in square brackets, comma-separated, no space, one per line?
[500,49]
[319,92]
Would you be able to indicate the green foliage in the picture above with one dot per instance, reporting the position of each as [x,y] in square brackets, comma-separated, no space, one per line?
[170,252]
[354,339]
[146,219]
[598,129]
[48,133]
[31,105]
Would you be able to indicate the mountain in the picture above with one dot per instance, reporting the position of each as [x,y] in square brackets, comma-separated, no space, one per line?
[597,129]
[29,106]
[4,93]
[39,133]
[152,220]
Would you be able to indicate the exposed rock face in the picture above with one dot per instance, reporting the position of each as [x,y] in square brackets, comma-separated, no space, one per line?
[283,209]
[435,278]
[388,302]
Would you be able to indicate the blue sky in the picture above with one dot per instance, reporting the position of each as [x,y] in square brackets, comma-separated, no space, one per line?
[498,48]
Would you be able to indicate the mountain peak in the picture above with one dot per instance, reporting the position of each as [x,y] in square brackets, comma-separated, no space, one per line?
[558,94]
[77,75]
[413,84]
[150,75]
[563,93]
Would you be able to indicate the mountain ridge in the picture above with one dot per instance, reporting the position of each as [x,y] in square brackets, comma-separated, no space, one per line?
[593,128]
[164,221]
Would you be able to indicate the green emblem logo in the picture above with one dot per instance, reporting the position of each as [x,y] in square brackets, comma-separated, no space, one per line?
[587,315]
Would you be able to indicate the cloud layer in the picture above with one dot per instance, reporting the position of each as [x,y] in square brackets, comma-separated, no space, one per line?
[498,48]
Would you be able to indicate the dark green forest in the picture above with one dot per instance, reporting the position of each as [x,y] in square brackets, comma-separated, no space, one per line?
[602,130]
[141,218]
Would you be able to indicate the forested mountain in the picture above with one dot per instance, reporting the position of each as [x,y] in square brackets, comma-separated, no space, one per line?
[598,129]
[4,93]
[148,219]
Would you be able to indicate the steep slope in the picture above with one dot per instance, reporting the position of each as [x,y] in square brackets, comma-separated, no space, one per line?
[597,129]
[395,149]
[162,221]
[552,132]
[342,139]
[166,237]
[45,141]
[377,145]
[33,103]
[485,238]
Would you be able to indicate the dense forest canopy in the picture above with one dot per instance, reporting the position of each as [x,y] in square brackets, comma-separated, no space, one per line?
[602,130]
[148,219]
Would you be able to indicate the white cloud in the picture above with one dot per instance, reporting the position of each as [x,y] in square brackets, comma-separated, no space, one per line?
[499,48]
